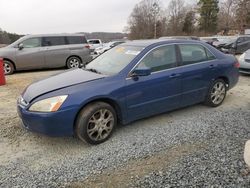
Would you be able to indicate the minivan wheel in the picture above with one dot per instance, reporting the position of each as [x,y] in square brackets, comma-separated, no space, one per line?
[217,93]
[96,122]
[73,62]
[8,67]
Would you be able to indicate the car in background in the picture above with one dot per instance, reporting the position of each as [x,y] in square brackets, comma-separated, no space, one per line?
[234,44]
[244,61]
[209,40]
[132,81]
[94,43]
[107,47]
[46,51]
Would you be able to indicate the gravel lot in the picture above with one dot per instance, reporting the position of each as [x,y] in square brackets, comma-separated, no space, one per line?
[196,146]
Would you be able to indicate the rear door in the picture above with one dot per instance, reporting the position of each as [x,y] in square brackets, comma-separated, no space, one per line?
[198,68]
[31,56]
[158,92]
[56,52]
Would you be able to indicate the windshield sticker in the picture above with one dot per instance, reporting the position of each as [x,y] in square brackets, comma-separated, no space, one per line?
[121,49]
[131,52]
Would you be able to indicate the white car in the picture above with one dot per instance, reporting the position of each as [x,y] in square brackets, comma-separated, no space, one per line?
[244,61]
[106,47]
[95,43]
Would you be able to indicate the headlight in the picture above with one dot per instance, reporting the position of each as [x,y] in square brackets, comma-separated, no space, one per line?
[48,105]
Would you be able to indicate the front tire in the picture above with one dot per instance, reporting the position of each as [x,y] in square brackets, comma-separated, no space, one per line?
[73,62]
[95,123]
[8,67]
[216,93]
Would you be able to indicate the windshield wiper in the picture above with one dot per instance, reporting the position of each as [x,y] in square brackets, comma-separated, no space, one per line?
[93,70]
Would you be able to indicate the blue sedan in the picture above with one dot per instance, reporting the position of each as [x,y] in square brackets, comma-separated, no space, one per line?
[131,81]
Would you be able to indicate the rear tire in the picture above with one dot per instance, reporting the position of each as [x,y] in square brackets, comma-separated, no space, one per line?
[216,93]
[73,62]
[96,123]
[8,67]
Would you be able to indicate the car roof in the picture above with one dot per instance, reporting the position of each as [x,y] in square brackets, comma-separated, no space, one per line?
[145,43]
[54,35]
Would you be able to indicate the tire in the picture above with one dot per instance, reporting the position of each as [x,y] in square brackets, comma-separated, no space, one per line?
[216,93]
[73,62]
[8,67]
[96,123]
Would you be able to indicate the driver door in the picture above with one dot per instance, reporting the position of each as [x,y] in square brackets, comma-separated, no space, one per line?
[31,54]
[158,92]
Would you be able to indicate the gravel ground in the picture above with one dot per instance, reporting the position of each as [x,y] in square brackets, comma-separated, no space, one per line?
[196,146]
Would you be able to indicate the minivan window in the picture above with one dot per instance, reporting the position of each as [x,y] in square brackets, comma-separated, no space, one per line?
[32,43]
[160,59]
[53,41]
[193,53]
[76,40]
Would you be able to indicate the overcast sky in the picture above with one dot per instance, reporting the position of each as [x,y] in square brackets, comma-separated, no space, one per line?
[61,16]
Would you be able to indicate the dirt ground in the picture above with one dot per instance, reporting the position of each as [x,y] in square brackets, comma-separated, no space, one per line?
[17,143]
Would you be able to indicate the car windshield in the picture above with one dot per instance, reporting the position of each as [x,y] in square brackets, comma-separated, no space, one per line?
[114,60]
[228,40]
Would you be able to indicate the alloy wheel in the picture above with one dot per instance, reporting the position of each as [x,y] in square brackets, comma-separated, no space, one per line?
[100,124]
[218,93]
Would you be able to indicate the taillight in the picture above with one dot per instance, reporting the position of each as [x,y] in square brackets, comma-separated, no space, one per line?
[237,64]
[87,46]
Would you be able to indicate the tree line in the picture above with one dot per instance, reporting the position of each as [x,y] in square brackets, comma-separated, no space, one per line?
[150,19]
[8,38]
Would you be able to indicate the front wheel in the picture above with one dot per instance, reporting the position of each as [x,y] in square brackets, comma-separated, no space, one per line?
[8,67]
[217,93]
[96,122]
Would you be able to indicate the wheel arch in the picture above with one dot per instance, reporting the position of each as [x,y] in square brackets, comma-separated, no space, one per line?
[226,80]
[109,101]
[13,63]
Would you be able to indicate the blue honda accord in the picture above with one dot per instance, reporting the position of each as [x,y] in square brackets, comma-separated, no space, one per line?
[135,80]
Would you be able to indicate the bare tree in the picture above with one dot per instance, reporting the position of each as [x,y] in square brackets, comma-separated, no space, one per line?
[144,20]
[227,15]
[177,12]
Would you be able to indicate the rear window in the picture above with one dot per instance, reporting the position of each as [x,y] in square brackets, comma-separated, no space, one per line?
[94,42]
[54,41]
[76,40]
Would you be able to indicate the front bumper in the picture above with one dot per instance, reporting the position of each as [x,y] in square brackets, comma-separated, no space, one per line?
[59,123]
[244,67]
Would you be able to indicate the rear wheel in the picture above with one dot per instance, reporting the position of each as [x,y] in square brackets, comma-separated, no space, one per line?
[217,93]
[8,67]
[74,62]
[96,122]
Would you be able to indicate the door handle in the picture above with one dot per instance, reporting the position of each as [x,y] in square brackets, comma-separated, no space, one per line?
[211,66]
[174,75]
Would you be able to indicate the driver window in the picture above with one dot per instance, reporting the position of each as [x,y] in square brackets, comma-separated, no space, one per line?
[32,43]
[160,59]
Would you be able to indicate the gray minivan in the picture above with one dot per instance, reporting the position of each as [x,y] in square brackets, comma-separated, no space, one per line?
[46,51]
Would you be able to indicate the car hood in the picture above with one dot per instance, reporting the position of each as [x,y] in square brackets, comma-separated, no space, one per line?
[59,81]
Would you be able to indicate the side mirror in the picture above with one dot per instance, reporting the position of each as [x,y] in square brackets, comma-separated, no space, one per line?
[20,46]
[141,72]
[234,45]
